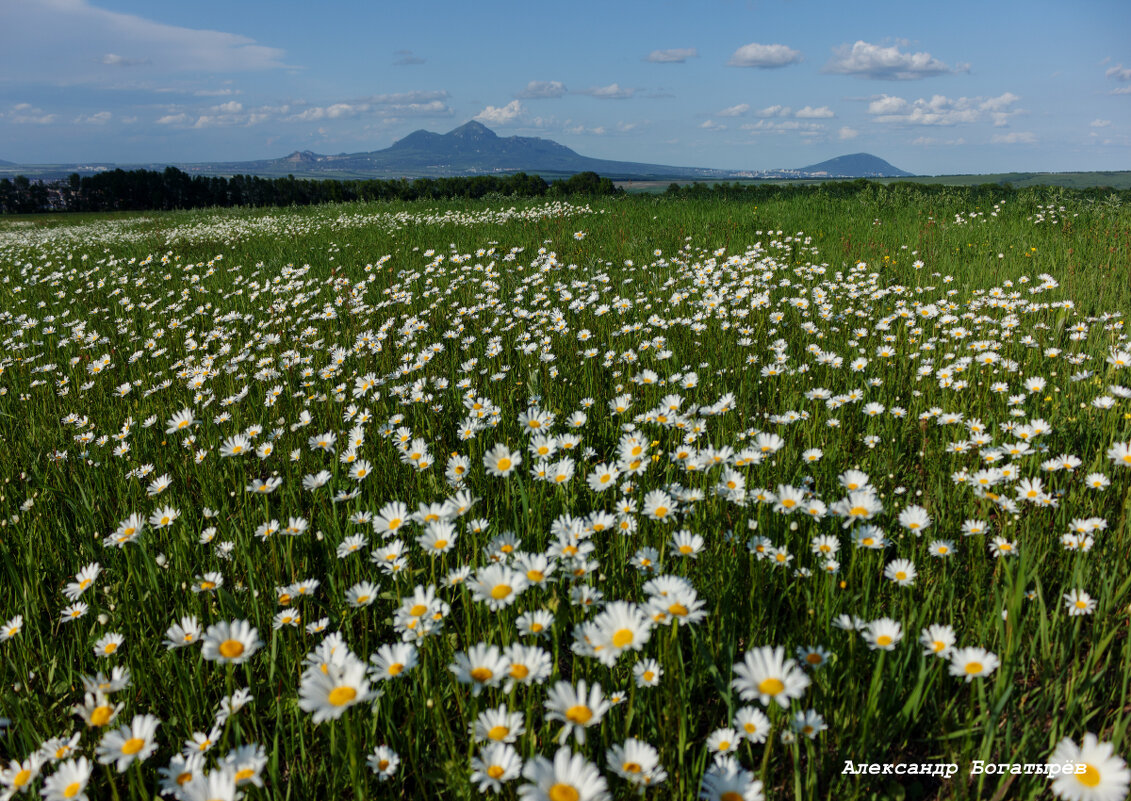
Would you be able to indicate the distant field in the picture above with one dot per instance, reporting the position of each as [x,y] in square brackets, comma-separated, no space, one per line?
[1074,180]
[391,500]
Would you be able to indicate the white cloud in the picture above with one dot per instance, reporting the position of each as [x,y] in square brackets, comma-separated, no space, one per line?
[74,42]
[784,126]
[674,56]
[847,133]
[764,56]
[542,89]
[1119,72]
[867,60]
[775,111]
[942,110]
[611,92]
[735,111]
[711,125]
[810,113]
[1123,90]
[504,115]
[173,119]
[27,114]
[97,118]
[927,141]
[1015,138]
[1099,123]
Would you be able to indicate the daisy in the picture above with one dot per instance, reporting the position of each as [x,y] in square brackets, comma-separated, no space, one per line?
[497,586]
[129,743]
[937,640]
[570,777]
[392,661]
[498,725]
[808,723]
[726,780]
[231,642]
[1105,776]
[184,633]
[577,708]
[883,634]
[496,764]
[361,594]
[1078,602]
[752,724]
[327,692]
[648,673]
[108,645]
[687,544]
[481,666]
[68,783]
[501,462]
[766,675]
[971,662]
[901,571]
[658,505]
[636,761]
[621,626]
[383,762]
[11,628]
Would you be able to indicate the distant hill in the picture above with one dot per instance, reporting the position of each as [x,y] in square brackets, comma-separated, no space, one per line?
[857,165]
[470,149]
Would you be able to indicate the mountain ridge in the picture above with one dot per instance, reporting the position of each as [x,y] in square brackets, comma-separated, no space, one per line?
[474,149]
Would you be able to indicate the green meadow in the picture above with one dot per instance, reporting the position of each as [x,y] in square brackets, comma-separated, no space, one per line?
[545,500]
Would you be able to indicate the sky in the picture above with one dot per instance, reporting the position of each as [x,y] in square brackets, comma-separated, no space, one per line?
[933,88]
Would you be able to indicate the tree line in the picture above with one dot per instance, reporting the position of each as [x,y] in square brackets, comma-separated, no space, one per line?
[150,190]
[892,193]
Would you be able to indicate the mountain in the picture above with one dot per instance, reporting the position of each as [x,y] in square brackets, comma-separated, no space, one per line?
[474,149]
[857,165]
[470,149]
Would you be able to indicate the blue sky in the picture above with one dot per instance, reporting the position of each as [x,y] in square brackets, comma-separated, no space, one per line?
[931,87]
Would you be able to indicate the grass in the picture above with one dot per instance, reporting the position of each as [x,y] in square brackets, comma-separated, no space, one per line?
[217,302]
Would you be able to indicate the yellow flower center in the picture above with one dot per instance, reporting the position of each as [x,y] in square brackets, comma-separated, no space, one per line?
[133,745]
[244,775]
[498,732]
[1090,777]
[231,649]
[100,716]
[396,669]
[519,671]
[22,778]
[771,686]
[883,640]
[623,638]
[631,767]
[481,674]
[500,591]
[340,696]
[503,465]
[973,668]
[677,609]
[900,576]
[72,789]
[563,792]
[857,511]
[579,714]
[495,771]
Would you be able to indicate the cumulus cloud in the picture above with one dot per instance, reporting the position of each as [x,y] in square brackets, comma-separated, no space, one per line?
[775,111]
[97,118]
[784,126]
[536,90]
[504,115]
[711,125]
[400,104]
[27,114]
[406,58]
[810,113]
[674,56]
[57,41]
[1014,138]
[764,56]
[866,60]
[1099,123]
[611,92]
[942,110]
[735,111]
[846,133]
[173,119]
[1119,73]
